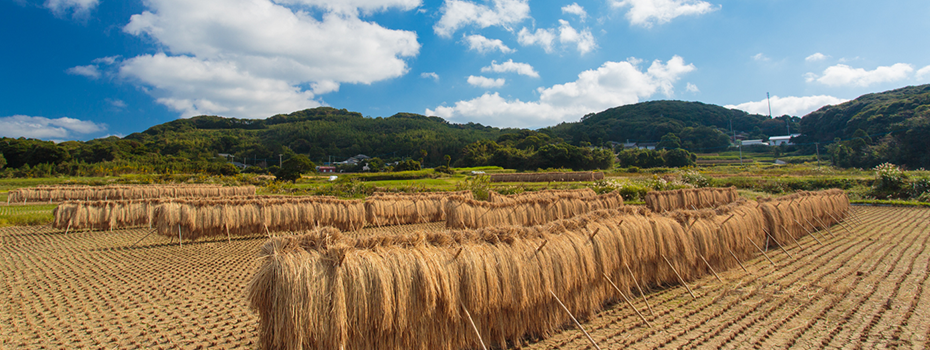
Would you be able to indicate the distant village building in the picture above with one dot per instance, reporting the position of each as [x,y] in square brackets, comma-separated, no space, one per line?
[326,169]
[782,140]
[754,142]
[354,160]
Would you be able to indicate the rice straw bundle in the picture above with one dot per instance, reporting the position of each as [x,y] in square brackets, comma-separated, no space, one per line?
[495,197]
[389,209]
[122,192]
[527,211]
[690,198]
[548,177]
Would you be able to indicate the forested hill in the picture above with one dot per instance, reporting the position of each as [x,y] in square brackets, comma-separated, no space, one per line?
[699,126]
[320,133]
[891,126]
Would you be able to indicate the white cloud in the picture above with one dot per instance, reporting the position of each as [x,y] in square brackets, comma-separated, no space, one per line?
[89,71]
[237,50]
[649,12]
[485,82]
[816,57]
[430,75]
[511,66]
[760,57]
[692,88]
[109,60]
[843,75]
[483,45]
[45,128]
[575,9]
[791,105]
[612,84]
[352,7]
[78,8]
[192,87]
[460,13]
[583,41]
[120,104]
[923,73]
[542,37]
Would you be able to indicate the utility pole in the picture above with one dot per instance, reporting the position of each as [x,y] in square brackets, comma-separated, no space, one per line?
[817,144]
[280,163]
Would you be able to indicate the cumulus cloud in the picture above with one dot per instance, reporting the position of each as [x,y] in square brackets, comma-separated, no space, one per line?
[46,128]
[430,75]
[77,8]
[119,104]
[791,105]
[760,57]
[485,82]
[236,50]
[460,13]
[646,13]
[542,37]
[575,9]
[612,84]
[923,73]
[89,71]
[353,7]
[567,35]
[692,88]
[843,75]
[192,87]
[511,66]
[816,57]
[484,45]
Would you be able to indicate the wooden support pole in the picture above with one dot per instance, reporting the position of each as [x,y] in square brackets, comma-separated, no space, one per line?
[840,223]
[228,236]
[728,219]
[682,280]
[69,226]
[641,292]
[792,237]
[180,244]
[540,247]
[594,234]
[711,268]
[739,262]
[808,232]
[763,252]
[473,327]
[575,320]
[458,253]
[628,302]
[829,230]
[815,228]
[144,237]
[776,242]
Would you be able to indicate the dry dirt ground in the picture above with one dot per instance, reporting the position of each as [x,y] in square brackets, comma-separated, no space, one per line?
[859,289]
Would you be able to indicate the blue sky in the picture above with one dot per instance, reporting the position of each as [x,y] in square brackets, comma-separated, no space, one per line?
[82,69]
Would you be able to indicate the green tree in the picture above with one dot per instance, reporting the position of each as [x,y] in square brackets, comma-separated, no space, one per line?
[292,168]
[2,161]
[669,141]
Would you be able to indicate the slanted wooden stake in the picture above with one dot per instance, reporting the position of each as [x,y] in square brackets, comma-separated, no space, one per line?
[728,219]
[840,222]
[540,247]
[641,292]
[776,242]
[228,236]
[738,262]
[576,321]
[808,232]
[711,268]
[146,236]
[69,227]
[457,253]
[682,280]
[628,302]
[829,230]
[473,327]
[180,244]
[763,252]
[815,228]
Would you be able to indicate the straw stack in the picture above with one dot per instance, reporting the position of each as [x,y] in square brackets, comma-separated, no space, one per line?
[690,198]
[527,211]
[122,192]
[548,177]
[389,209]
[105,215]
[495,197]
[792,216]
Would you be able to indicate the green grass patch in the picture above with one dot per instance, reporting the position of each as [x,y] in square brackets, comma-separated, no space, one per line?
[26,215]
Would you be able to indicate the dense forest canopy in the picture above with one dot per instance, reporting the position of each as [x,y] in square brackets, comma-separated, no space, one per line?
[892,126]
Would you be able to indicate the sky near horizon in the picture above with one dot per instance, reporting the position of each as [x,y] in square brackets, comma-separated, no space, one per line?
[83,69]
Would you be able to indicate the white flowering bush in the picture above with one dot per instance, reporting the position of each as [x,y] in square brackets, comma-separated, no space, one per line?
[890,182]
[694,178]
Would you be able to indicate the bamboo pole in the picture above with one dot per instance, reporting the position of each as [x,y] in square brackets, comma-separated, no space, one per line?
[763,252]
[628,302]
[792,236]
[711,268]
[682,280]
[473,327]
[180,241]
[808,232]
[776,242]
[829,230]
[739,262]
[815,228]
[575,320]
[641,292]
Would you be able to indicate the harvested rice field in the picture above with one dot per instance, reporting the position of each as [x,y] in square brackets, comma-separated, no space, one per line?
[858,289]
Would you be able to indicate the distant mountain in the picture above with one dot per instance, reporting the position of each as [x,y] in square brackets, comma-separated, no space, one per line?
[891,126]
[700,126]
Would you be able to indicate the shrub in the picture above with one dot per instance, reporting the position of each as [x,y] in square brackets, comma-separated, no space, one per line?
[890,182]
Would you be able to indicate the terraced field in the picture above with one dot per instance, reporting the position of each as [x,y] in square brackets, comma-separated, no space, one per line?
[862,288]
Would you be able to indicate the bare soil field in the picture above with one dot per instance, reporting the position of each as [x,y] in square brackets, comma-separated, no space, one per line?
[859,289]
